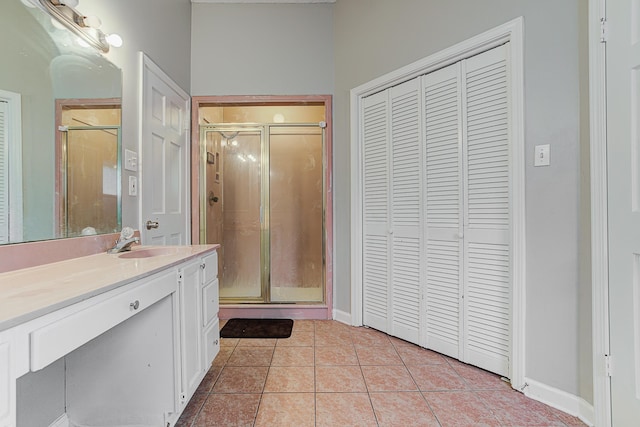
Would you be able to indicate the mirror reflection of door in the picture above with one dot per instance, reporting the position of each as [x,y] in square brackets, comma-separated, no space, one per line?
[88,163]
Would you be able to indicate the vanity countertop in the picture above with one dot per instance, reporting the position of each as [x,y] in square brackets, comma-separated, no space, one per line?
[33,292]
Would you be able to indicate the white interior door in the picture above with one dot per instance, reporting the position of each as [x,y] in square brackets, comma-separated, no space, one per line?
[623,156]
[444,210]
[164,152]
[487,261]
[376,222]
[406,211]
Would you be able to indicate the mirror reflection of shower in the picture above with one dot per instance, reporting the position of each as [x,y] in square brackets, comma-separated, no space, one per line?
[88,158]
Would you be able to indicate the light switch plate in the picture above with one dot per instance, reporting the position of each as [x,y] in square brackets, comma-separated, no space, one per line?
[542,153]
[133,186]
[130,160]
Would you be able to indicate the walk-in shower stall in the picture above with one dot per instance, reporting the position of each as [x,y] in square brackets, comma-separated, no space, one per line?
[262,190]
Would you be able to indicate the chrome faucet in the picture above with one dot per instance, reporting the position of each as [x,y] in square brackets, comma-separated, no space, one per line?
[125,241]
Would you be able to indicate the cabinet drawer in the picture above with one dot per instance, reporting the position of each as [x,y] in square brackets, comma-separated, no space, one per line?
[210,303]
[53,341]
[211,343]
[211,267]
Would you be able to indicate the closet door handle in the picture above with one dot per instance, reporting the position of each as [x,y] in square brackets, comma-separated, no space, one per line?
[461,235]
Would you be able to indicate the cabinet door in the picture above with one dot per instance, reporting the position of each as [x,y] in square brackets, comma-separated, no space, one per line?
[7,384]
[190,280]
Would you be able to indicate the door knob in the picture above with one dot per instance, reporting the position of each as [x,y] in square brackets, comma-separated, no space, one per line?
[152,224]
[212,198]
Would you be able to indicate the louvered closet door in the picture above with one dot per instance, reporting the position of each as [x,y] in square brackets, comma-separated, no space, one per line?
[376,222]
[4,175]
[444,211]
[406,210]
[487,279]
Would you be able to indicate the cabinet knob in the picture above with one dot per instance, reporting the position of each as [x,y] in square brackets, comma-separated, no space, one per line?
[134,305]
[203,265]
[215,342]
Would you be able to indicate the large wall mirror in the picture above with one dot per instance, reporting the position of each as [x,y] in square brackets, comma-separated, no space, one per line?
[59,131]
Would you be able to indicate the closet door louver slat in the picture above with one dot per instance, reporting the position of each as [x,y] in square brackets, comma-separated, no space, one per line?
[4,175]
[376,259]
[443,189]
[487,278]
[406,210]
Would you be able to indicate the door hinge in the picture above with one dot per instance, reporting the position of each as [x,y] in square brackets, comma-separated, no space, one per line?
[604,31]
[608,365]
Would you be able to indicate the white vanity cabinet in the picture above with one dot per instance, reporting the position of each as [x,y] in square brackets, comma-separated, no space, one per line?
[133,354]
[7,380]
[210,308]
[200,335]
[192,365]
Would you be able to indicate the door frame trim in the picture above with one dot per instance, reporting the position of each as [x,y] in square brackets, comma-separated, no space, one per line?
[512,32]
[294,310]
[599,217]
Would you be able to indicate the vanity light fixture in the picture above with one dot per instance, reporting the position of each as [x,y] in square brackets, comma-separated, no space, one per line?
[85,27]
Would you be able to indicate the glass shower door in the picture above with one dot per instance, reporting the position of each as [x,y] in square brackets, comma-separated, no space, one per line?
[234,184]
[296,213]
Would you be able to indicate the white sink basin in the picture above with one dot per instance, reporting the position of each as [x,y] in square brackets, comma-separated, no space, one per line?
[148,253]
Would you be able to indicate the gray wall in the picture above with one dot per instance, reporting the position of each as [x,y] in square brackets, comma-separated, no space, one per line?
[162,30]
[374,37]
[262,49]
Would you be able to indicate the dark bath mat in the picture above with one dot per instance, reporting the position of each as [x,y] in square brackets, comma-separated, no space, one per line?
[257,328]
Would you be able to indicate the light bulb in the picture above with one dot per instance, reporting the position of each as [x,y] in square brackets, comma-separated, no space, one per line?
[92,21]
[114,40]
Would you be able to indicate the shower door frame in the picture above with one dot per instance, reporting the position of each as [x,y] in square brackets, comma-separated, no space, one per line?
[293,310]
[265,132]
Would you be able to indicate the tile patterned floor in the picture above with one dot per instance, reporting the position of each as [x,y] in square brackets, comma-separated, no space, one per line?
[330,374]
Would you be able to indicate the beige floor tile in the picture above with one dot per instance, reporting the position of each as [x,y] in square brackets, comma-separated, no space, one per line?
[241,379]
[251,356]
[290,379]
[238,410]
[344,409]
[339,379]
[286,410]
[436,377]
[381,355]
[293,356]
[336,355]
[389,378]
[402,410]
[297,339]
[460,408]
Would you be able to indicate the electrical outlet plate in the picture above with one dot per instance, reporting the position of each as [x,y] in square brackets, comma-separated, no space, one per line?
[130,160]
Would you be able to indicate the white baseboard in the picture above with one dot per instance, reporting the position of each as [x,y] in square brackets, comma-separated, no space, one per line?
[566,402]
[342,316]
[62,421]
